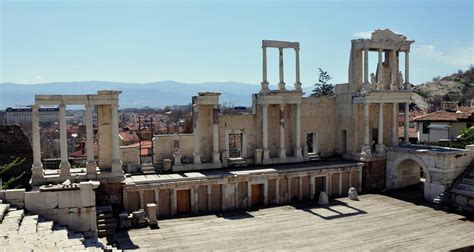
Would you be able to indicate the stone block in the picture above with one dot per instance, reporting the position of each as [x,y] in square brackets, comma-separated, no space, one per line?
[15,194]
[323,198]
[41,200]
[151,214]
[352,194]
[461,200]
[166,164]
[2,194]
[69,199]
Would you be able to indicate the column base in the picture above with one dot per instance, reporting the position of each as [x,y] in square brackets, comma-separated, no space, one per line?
[266,154]
[281,86]
[64,169]
[366,152]
[365,88]
[117,166]
[91,168]
[298,87]
[380,148]
[37,171]
[264,89]
[196,158]
[393,87]
[298,152]
[177,158]
[216,158]
[282,153]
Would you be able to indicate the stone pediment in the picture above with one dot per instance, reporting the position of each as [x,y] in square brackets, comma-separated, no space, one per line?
[387,34]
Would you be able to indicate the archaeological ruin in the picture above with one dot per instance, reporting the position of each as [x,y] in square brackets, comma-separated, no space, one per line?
[281,152]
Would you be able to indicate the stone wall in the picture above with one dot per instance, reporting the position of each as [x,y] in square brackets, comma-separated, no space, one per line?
[373,176]
[72,206]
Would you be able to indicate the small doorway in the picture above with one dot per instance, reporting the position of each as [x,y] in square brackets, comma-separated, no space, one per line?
[183,201]
[235,145]
[312,142]
[257,194]
[344,141]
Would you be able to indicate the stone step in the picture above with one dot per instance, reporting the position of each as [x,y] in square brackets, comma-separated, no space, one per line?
[3,211]
[469,181]
[466,187]
[104,216]
[467,193]
[103,233]
[45,226]
[104,226]
[106,220]
[104,209]
[28,225]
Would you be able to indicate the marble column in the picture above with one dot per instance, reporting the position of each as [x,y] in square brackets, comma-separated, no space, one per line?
[297,64]
[407,70]
[282,150]
[380,72]
[264,83]
[406,123]
[366,66]
[266,151]
[395,124]
[298,131]
[215,137]
[64,167]
[91,165]
[37,167]
[366,150]
[380,145]
[393,69]
[197,144]
[277,190]
[281,84]
[116,163]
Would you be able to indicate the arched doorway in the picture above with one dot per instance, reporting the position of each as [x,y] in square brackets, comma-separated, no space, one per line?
[411,173]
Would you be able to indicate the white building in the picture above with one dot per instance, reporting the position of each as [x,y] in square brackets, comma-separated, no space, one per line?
[443,124]
[22,115]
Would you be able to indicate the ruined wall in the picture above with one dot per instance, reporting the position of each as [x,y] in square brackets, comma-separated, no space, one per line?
[205,123]
[164,147]
[246,123]
[317,115]
[373,176]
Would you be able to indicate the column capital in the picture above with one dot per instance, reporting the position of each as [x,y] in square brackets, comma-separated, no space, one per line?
[297,49]
[62,106]
[280,49]
[88,106]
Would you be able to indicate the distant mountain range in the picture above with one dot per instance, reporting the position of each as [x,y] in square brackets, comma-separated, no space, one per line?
[134,95]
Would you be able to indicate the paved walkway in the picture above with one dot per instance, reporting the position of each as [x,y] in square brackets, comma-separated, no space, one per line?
[376,222]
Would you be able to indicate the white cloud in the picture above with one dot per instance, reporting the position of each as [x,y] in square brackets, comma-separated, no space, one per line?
[458,56]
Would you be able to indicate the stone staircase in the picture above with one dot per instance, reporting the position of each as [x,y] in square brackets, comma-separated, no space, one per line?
[148,168]
[20,231]
[462,191]
[106,223]
[237,162]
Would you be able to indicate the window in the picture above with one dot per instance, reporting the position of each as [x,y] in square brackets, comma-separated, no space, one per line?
[426,130]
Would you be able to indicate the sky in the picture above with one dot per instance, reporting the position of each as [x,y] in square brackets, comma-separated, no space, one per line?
[208,41]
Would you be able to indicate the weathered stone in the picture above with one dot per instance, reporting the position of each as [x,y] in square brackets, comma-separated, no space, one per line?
[323,198]
[37,200]
[461,200]
[151,213]
[352,194]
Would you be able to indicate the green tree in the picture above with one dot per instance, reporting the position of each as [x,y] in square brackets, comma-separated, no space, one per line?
[11,181]
[323,87]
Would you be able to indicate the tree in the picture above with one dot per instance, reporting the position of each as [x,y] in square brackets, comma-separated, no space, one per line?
[11,182]
[323,87]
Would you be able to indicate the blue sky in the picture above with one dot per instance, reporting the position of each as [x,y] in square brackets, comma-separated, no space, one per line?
[200,41]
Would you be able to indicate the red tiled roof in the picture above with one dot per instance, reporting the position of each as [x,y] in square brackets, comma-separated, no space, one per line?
[128,137]
[463,113]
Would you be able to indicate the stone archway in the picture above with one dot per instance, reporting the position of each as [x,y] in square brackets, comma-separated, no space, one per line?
[405,171]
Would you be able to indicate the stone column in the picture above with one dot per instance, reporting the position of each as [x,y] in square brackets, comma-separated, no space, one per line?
[380,145]
[264,83]
[281,84]
[366,147]
[91,165]
[215,138]
[393,68]
[64,167]
[266,152]
[406,123]
[407,70]
[298,131]
[297,64]
[394,124]
[380,73]
[37,167]
[197,144]
[277,190]
[116,163]
[282,150]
